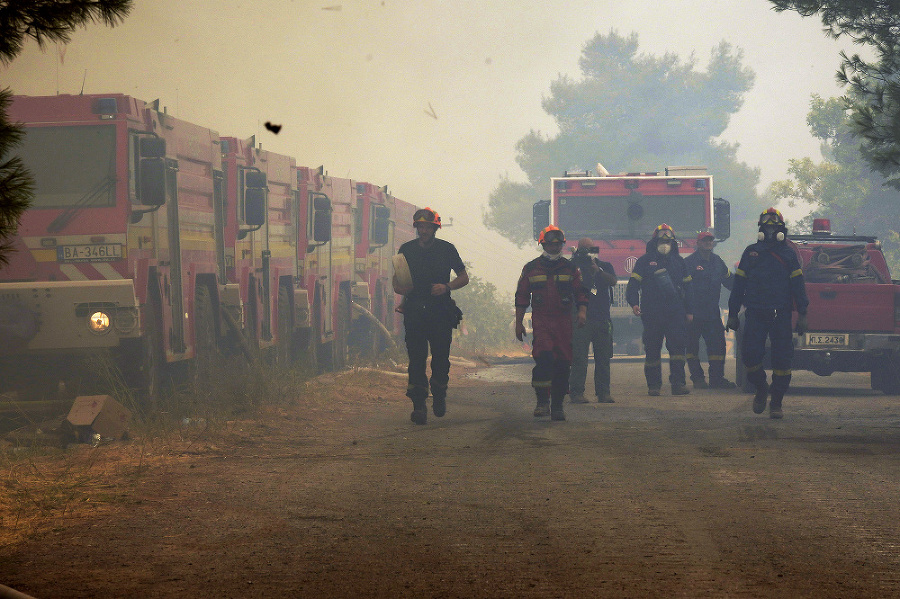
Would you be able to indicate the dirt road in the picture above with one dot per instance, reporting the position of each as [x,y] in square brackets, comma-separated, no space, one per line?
[689,496]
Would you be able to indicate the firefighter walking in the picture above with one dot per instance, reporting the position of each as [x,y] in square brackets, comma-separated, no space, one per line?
[429,314]
[551,285]
[769,285]
[659,291]
[709,274]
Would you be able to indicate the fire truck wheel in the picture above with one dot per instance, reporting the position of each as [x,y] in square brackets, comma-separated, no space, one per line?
[149,376]
[341,329]
[886,376]
[204,335]
[285,329]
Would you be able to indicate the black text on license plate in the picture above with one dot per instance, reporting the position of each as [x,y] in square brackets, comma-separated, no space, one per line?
[89,253]
[822,339]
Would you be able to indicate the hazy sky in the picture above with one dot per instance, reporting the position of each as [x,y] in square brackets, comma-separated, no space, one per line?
[353,82]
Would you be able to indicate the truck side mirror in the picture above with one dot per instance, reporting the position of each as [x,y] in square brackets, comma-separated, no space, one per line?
[255,179]
[722,214]
[255,207]
[321,219]
[152,181]
[381,226]
[540,217]
[152,147]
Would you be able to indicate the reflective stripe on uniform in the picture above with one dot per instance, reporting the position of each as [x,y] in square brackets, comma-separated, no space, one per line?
[717,358]
[653,363]
[676,358]
[781,372]
[563,277]
[634,275]
[754,368]
[687,279]
[690,356]
[537,279]
[541,384]
[797,273]
[740,273]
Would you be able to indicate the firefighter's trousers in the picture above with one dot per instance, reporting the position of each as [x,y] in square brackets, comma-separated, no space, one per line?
[421,332]
[599,335]
[673,328]
[713,333]
[776,326]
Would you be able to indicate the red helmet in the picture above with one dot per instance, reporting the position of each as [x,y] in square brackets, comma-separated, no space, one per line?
[771,217]
[427,215]
[664,231]
[551,234]
[704,235]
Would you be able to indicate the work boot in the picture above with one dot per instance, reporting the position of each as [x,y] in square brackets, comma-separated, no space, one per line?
[759,400]
[722,383]
[775,406]
[420,412]
[653,391]
[556,410]
[578,398]
[681,390]
[439,406]
[605,398]
[700,383]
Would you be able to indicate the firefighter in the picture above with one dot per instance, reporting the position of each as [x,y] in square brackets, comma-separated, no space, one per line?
[551,285]
[429,314]
[659,291]
[708,275]
[769,285]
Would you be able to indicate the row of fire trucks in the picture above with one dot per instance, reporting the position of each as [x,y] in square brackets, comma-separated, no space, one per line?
[167,244]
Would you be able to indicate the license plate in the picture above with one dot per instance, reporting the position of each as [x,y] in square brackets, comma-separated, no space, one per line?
[89,253]
[826,339]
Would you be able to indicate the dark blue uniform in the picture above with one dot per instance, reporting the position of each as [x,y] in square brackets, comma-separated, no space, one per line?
[662,287]
[769,284]
[708,276]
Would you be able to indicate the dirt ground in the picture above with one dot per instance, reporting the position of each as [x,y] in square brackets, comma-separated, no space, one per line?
[332,492]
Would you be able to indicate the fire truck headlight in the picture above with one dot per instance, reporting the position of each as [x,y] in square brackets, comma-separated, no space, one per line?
[99,323]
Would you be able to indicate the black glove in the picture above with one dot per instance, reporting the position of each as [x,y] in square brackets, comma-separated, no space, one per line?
[733,323]
[802,324]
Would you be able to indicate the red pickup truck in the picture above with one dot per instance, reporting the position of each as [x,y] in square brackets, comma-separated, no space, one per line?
[854,309]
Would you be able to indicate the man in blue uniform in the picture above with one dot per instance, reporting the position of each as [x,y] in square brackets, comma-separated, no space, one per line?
[769,284]
[708,275]
[598,278]
[429,315]
[659,291]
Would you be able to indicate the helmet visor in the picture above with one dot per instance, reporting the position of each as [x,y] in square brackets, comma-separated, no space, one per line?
[665,234]
[553,237]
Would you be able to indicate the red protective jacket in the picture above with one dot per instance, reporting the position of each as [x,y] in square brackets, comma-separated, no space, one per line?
[553,289]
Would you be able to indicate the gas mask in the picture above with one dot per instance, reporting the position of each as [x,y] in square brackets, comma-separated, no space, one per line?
[664,247]
[550,256]
[771,232]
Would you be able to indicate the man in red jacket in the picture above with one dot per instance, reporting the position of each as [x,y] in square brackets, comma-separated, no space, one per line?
[551,285]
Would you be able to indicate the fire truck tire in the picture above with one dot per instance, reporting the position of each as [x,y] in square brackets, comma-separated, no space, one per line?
[285,328]
[204,335]
[149,377]
[886,377]
[341,330]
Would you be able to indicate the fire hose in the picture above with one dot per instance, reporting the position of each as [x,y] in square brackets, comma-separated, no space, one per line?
[379,326]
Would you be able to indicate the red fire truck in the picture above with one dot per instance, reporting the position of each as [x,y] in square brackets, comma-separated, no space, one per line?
[619,213]
[118,250]
[163,243]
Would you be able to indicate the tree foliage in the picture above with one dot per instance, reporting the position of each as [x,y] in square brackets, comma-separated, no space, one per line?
[874,86]
[843,187]
[44,21]
[632,112]
[487,318]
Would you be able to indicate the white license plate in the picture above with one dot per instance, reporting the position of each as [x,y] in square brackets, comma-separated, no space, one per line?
[101,252]
[826,339]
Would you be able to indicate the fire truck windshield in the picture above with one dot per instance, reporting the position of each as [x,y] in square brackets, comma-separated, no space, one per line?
[630,217]
[71,166]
